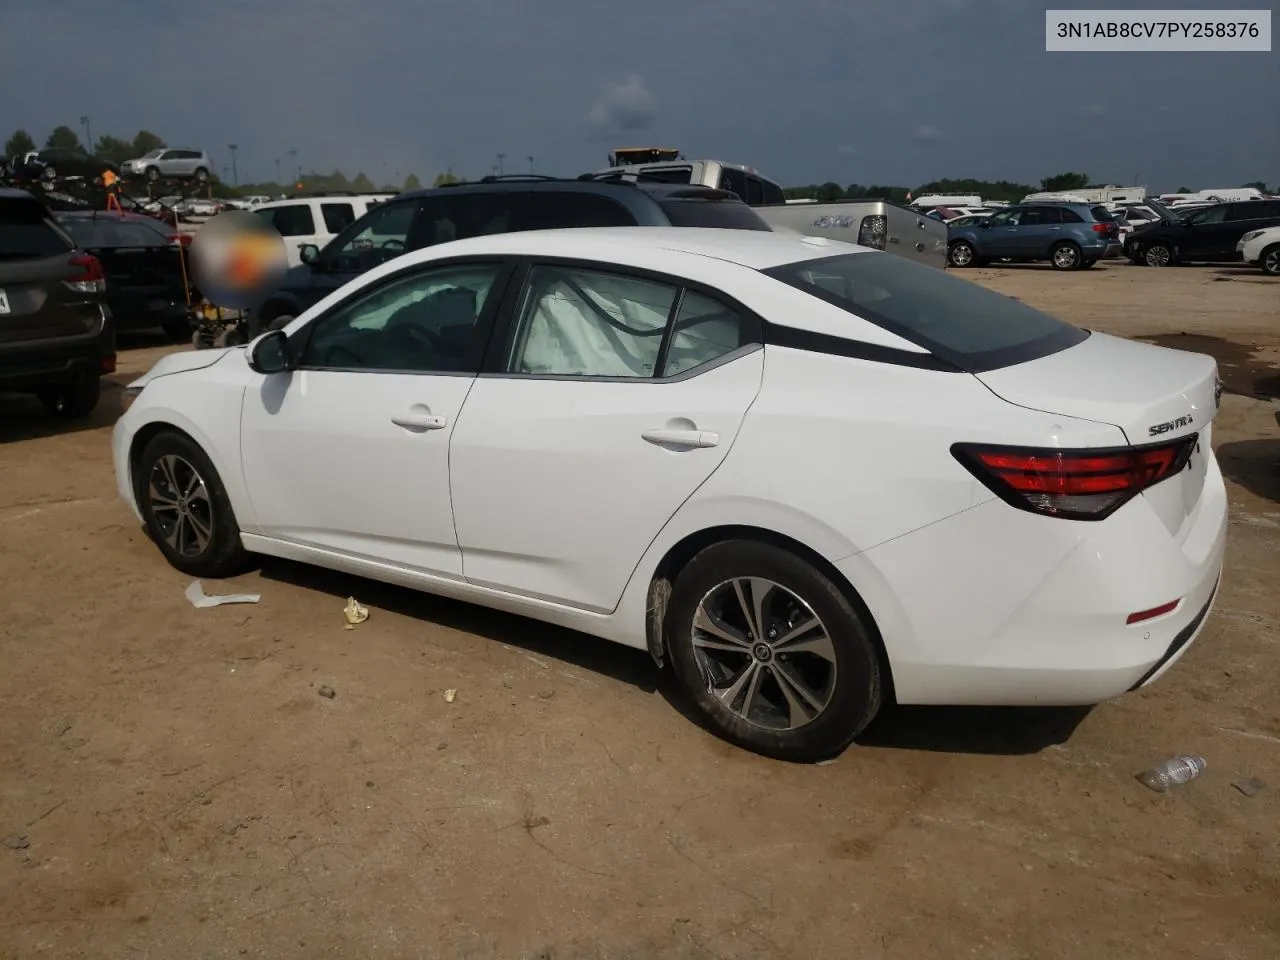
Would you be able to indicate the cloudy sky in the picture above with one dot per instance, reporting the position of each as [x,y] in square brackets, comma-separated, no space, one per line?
[866,91]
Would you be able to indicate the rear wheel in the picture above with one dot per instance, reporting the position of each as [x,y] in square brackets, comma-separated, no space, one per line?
[1066,256]
[71,401]
[186,509]
[771,652]
[202,175]
[1159,255]
[961,254]
[1270,260]
[153,174]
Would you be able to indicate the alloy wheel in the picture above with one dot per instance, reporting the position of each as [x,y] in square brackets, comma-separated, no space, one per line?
[1271,262]
[1065,257]
[961,255]
[181,505]
[764,654]
[1159,256]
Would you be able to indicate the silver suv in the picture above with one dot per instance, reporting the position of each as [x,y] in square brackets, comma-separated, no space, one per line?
[168,163]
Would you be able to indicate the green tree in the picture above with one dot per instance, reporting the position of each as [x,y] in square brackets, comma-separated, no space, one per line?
[362,184]
[1184,190]
[411,182]
[1065,182]
[19,143]
[113,149]
[144,142]
[444,179]
[63,138]
[830,192]
[1257,185]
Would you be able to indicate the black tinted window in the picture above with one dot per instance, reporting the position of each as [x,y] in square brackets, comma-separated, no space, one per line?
[294,220]
[1101,214]
[24,233]
[457,216]
[669,174]
[337,216]
[98,234]
[725,214]
[772,192]
[1070,216]
[380,235]
[733,180]
[551,211]
[755,191]
[958,321]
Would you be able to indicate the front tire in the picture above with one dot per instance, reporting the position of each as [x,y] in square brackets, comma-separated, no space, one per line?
[202,175]
[961,254]
[1066,256]
[186,509]
[1159,255]
[771,652]
[1269,260]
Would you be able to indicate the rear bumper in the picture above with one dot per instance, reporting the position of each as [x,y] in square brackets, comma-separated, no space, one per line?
[996,606]
[1113,250]
[27,366]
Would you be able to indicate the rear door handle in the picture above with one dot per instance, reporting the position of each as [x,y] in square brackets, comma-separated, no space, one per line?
[681,438]
[420,422]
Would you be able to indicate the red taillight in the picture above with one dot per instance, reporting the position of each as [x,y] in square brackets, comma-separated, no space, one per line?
[1101,227]
[1073,484]
[90,277]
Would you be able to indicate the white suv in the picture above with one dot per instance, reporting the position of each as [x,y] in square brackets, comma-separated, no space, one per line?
[315,220]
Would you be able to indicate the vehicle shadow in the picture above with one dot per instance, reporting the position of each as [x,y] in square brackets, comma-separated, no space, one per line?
[23,418]
[1254,465]
[973,730]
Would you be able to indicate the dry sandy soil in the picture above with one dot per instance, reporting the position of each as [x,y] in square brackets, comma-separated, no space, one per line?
[175,787]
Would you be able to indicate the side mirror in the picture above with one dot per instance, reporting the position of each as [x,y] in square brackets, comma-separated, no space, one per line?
[309,254]
[270,353]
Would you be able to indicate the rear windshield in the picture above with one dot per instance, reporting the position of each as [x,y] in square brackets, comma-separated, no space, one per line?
[723,214]
[1101,214]
[97,234]
[25,233]
[956,320]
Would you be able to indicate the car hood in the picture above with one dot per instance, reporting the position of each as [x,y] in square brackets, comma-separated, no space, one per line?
[182,363]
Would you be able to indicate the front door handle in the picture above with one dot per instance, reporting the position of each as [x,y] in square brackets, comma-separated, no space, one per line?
[681,438]
[420,422]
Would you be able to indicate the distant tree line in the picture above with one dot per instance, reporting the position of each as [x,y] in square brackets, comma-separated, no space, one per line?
[117,150]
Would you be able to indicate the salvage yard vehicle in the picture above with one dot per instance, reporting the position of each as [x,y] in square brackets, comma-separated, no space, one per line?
[314,221]
[146,279]
[879,224]
[170,163]
[57,337]
[1070,236]
[1205,234]
[424,218]
[1262,248]
[807,476]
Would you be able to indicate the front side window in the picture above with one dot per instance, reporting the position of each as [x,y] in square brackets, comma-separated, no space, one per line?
[1006,218]
[380,235]
[965,324]
[424,322]
[588,323]
[1208,215]
[457,216]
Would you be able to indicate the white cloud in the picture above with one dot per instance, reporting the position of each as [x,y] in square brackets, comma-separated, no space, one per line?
[624,106]
[926,132]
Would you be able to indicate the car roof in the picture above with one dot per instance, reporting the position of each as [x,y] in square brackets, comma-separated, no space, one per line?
[755,249]
[655,189]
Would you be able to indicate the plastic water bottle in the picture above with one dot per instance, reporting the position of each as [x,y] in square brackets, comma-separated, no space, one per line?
[1173,771]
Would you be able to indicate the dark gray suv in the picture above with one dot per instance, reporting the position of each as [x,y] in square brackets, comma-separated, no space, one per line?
[494,205]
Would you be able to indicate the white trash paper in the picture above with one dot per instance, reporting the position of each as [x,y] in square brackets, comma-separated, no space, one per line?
[199,599]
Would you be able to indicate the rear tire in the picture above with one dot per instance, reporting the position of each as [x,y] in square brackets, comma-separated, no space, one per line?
[803,699]
[1066,256]
[186,509]
[71,401]
[202,175]
[1270,260]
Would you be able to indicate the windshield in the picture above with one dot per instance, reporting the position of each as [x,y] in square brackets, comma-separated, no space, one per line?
[25,234]
[152,154]
[956,320]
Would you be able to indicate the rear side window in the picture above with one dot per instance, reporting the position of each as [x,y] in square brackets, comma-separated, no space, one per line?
[457,216]
[734,181]
[772,192]
[551,211]
[337,216]
[956,320]
[724,214]
[25,234]
[1070,216]
[294,220]
[1101,214]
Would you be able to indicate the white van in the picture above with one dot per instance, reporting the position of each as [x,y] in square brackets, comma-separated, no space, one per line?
[315,220]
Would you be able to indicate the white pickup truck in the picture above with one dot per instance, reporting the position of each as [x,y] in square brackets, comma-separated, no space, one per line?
[873,223]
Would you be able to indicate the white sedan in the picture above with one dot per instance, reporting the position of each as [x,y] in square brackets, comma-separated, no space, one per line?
[808,476]
[1262,247]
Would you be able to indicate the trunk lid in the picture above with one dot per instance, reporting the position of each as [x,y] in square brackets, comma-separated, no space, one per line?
[1153,394]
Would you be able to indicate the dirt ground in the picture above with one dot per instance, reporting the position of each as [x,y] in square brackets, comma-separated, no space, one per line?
[173,785]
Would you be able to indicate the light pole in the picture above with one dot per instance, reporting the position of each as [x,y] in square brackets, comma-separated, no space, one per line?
[530,166]
[501,157]
[235,173]
[88,134]
[293,157]
[277,170]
